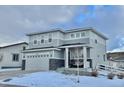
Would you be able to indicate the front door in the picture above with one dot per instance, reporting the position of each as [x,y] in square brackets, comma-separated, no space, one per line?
[23,64]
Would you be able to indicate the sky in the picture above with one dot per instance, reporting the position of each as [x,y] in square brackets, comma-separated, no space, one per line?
[17,21]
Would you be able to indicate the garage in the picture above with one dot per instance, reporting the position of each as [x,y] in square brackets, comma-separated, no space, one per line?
[37,61]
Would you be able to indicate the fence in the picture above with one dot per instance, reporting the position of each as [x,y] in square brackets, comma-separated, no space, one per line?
[116,70]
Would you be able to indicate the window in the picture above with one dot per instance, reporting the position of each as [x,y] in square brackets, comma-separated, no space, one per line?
[82,34]
[95,41]
[47,55]
[35,41]
[77,35]
[15,57]
[44,55]
[72,35]
[42,40]
[23,56]
[41,55]
[104,57]
[24,47]
[50,39]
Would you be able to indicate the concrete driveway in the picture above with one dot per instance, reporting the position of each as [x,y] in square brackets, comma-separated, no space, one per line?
[9,74]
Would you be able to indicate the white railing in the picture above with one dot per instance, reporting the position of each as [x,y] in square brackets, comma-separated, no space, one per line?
[111,69]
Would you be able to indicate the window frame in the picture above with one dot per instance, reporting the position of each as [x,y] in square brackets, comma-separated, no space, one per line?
[35,42]
[42,41]
[73,35]
[83,34]
[77,35]
[15,57]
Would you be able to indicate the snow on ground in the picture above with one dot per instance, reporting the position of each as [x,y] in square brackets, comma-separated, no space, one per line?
[54,79]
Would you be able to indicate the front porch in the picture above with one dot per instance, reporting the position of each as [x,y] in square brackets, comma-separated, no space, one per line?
[77,56]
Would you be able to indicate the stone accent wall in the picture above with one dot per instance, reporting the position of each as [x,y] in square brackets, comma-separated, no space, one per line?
[56,63]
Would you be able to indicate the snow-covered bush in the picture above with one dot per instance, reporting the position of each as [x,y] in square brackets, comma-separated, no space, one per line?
[120,76]
[111,76]
[94,73]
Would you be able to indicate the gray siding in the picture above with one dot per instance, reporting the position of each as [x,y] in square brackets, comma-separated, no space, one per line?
[74,41]
[58,42]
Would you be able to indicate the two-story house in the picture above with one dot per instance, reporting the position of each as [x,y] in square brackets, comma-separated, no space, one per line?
[56,48]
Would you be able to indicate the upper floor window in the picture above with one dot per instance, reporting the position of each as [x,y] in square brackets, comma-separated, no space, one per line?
[72,35]
[35,41]
[23,56]
[104,57]
[24,47]
[77,35]
[42,40]
[82,34]
[50,39]
[15,57]
[95,41]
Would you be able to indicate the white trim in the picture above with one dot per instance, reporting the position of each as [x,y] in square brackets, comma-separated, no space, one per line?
[85,56]
[53,54]
[75,46]
[34,50]
[57,58]
[66,58]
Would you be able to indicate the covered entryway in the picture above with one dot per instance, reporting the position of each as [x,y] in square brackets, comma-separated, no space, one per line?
[77,53]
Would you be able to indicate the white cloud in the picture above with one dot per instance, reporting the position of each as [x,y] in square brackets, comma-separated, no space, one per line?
[15,21]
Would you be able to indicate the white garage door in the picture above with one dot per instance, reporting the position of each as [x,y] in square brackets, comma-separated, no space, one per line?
[37,63]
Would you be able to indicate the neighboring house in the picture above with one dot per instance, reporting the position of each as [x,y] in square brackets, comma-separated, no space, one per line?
[11,56]
[116,59]
[52,49]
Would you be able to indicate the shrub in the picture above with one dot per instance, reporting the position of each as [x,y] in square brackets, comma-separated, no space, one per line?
[120,76]
[94,73]
[111,76]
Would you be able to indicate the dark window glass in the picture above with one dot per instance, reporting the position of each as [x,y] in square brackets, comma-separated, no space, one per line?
[72,35]
[77,35]
[44,55]
[104,57]
[82,34]
[95,41]
[15,57]
[42,40]
[35,41]
[24,47]
[50,39]
[47,55]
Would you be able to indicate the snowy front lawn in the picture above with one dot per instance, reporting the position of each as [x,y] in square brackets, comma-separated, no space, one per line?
[54,79]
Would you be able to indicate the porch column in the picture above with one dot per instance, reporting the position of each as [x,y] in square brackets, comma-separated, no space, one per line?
[85,56]
[66,57]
